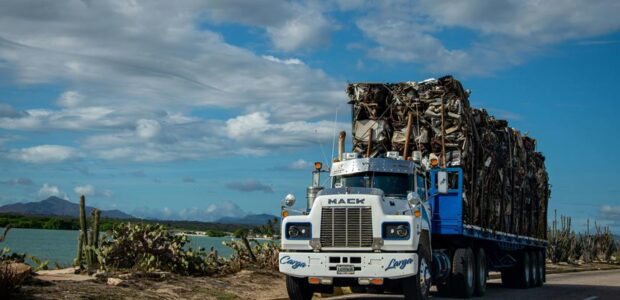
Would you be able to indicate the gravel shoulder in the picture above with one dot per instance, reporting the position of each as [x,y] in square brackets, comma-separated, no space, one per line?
[243,285]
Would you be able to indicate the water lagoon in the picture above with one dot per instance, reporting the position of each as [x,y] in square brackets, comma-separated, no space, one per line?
[60,246]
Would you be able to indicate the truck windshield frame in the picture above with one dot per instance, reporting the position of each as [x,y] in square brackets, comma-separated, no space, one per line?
[392,184]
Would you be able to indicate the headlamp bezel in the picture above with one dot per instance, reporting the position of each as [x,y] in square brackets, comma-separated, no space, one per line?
[304,230]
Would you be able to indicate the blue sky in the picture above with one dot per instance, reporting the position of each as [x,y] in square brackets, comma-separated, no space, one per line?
[203,109]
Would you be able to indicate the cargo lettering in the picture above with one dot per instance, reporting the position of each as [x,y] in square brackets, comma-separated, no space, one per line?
[346,201]
[287,260]
[400,264]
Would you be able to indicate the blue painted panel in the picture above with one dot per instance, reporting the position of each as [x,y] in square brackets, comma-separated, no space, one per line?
[447,209]
[447,216]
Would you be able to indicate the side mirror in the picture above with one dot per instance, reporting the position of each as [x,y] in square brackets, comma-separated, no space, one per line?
[442,182]
[289,200]
[414,198]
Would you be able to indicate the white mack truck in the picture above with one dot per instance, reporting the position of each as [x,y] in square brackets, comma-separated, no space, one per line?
[397,222]
[382,228]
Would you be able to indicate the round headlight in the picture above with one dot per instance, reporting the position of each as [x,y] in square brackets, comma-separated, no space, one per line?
[402,231]
[293,231]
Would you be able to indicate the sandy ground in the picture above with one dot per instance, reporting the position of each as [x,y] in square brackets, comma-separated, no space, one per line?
[63,284]
[243,285]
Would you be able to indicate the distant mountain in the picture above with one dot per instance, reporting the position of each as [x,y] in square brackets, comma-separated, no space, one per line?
[54,206]
[259,219]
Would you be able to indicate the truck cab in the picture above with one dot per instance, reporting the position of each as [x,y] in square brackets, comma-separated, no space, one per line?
[369,230]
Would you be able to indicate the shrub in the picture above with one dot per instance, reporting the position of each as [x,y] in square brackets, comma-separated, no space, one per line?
[146,247]
[9,280]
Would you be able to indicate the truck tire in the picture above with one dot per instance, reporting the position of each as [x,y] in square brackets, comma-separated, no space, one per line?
[463,278]
[534,275]
[524,271]
[544,269]
[540,268]
[418,287]
[480,273]
[298,288]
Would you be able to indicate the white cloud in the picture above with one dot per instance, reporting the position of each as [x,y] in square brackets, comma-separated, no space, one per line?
[51,190]
[90,191]
[151,62]
[147,128]
[287,61]
[610,212]
[505,32]
[104,193]
[299,164]
[70,99]
[211,213]
[309,29]
[18,181]
[43,154]
[256,133]
[542,21]
[86,190]
[290,25]
[250,185]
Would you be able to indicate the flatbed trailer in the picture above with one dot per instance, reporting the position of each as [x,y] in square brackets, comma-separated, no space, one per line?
[519,258]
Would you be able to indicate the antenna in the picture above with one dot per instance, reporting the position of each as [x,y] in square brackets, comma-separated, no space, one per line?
[334,133]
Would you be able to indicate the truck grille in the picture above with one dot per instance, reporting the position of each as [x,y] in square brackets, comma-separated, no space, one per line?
[346,227]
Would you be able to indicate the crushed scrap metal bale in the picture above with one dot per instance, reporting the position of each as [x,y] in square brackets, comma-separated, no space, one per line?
[508,188]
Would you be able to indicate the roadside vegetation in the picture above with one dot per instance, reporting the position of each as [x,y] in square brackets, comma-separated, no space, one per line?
[147,248]
[566,246]
[153,248]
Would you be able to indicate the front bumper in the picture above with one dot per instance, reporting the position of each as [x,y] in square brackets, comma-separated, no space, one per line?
[370,265]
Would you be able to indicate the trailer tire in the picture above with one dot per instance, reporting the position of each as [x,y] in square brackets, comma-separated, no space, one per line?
[462,279]
[544,259]
[524,271]
[540,268]
[418,286]
[534,275]
[480,273]
[298,288]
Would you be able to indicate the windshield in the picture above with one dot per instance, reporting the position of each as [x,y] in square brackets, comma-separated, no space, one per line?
[391,184]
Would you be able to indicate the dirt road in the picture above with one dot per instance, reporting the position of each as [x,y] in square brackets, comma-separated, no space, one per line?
[582,285]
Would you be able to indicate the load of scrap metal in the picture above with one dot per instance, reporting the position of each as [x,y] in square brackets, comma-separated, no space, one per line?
[505,180]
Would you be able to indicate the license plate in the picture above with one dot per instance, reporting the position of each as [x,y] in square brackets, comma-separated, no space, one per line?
[345,269]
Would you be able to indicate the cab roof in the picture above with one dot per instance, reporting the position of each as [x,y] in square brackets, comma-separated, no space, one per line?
[373,164]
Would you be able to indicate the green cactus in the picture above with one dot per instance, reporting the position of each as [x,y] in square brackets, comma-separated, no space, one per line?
[88,242]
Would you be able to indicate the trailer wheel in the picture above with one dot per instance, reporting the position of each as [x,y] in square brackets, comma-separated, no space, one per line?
[463,273]
[419,286]
[298,288]
[534,275]
[480,273]
[540,268]
[544,269]
[524,271]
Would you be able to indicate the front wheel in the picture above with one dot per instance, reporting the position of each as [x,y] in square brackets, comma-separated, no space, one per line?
[298,288]
[418,286]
